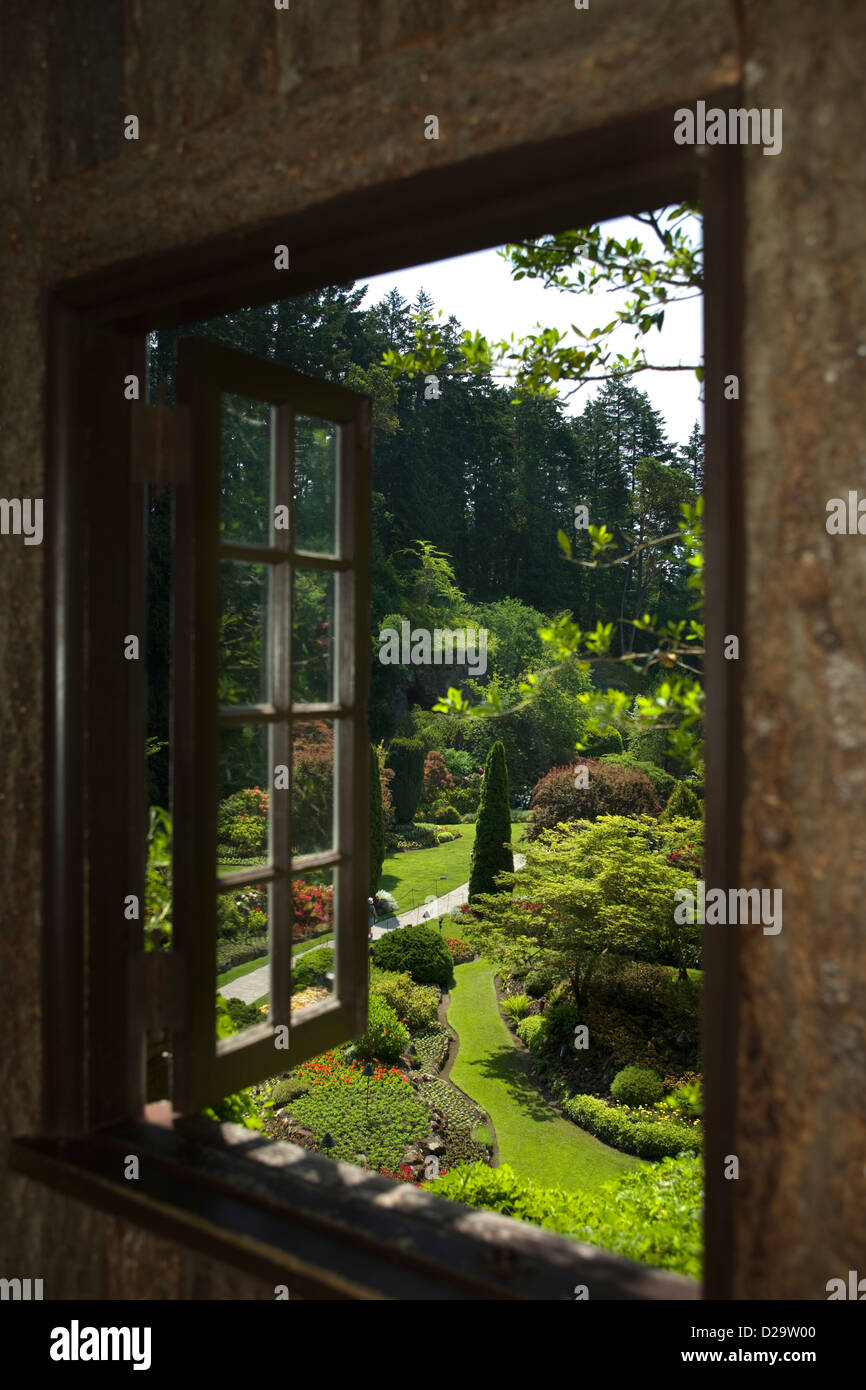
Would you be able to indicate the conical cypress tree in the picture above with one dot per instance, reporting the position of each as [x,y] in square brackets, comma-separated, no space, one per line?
[377,824]
[492,853]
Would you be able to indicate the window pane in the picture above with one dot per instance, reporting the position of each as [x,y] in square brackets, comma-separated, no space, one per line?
[313,637]
[313,787]
[243,640]
[242,944]
[245,476]
[313,946]
[245,780]
[315,494]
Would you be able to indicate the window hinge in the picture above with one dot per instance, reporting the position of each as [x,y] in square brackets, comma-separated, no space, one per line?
[161,443]
[156,982]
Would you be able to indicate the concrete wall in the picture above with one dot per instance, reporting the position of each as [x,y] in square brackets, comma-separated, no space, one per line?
[246,112]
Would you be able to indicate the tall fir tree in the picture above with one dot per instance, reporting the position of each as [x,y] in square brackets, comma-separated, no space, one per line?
[492,854]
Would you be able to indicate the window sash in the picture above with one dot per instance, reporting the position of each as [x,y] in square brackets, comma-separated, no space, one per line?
[204,1071]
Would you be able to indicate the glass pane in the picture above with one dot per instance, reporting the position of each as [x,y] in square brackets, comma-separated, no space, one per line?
[242,956]
[245,474]
[245,779]
[313,637]
[316,443]
[313,787]
[243,639]
[313,953]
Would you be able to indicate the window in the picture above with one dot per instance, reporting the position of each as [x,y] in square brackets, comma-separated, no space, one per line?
[101,989]
[278,494]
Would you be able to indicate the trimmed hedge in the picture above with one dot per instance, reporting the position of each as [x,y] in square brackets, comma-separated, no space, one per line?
[406,758]
[420,950]
[637,1086]
[653,1215]
[651,1139]
[532,1031]
[611,791]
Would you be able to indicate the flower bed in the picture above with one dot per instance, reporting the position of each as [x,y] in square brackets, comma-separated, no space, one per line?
[460,950]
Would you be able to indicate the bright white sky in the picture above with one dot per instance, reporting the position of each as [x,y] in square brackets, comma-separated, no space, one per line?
[478,290]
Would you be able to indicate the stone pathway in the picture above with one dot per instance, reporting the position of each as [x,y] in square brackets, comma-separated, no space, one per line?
[252,986]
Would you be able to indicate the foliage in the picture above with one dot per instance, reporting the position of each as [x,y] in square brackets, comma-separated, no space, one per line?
[386,903]
[242,1015]
[637,1086]
[459,763]
[386,1037]
[683,803]
[633,1131]
[313,909]
[540,980]
[238,1108]
[492,852]
[376,1116]
[602,741]
[157,883]
[610,791]
[652,1215]
[517,1006]
[459,949]
[418,949]
[663,782]
[311,968]
[446,815]
[377,824]
[415,1005]
[437,778]
[286,1091]
[312,785]
[597,890]
[686,1100]
[431,1047]
[533,1031]
[406,760]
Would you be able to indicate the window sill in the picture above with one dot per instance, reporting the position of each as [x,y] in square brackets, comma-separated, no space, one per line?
[326,1230]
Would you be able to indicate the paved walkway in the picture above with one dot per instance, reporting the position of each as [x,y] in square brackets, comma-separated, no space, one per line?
[252,986]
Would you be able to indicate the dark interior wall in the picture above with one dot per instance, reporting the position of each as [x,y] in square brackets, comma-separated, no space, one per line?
[247,112]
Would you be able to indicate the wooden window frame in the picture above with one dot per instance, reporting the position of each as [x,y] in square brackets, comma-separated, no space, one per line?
[202,1071]
[94,594]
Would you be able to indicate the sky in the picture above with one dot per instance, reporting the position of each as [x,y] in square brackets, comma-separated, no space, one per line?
[478,290]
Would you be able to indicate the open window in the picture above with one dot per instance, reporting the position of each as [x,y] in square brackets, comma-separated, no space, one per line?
[102,990]
[278,494]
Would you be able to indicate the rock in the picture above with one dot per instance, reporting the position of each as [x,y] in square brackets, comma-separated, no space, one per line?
[433,1145]
[413,1156]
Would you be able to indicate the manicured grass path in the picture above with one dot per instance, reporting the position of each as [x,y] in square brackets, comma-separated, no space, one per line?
[532,1138]
[413,873]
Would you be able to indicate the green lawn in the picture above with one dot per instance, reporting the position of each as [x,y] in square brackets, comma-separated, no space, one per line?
[532,1138]
[299,947]
[414,873]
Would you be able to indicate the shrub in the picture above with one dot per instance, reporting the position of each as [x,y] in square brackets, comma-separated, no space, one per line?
[629,1132]
[312,908]
[539,980]
[386,1037]
[611,791]
[242,1015]
[663,782]
[470,818]
[445,837]
[653,1215]
[420,950]
[437,778]
[415,1005]
[562,1018]
[686,1100]
[517,1006]
[386,903]
[446,815]
[637,1086]
[406,759]
[466,798]
[602,741]
[492,854]
[311,968]
[533,1032]
[230,919]
[459,763]
[286,1091]
[459,949]
[683,802]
